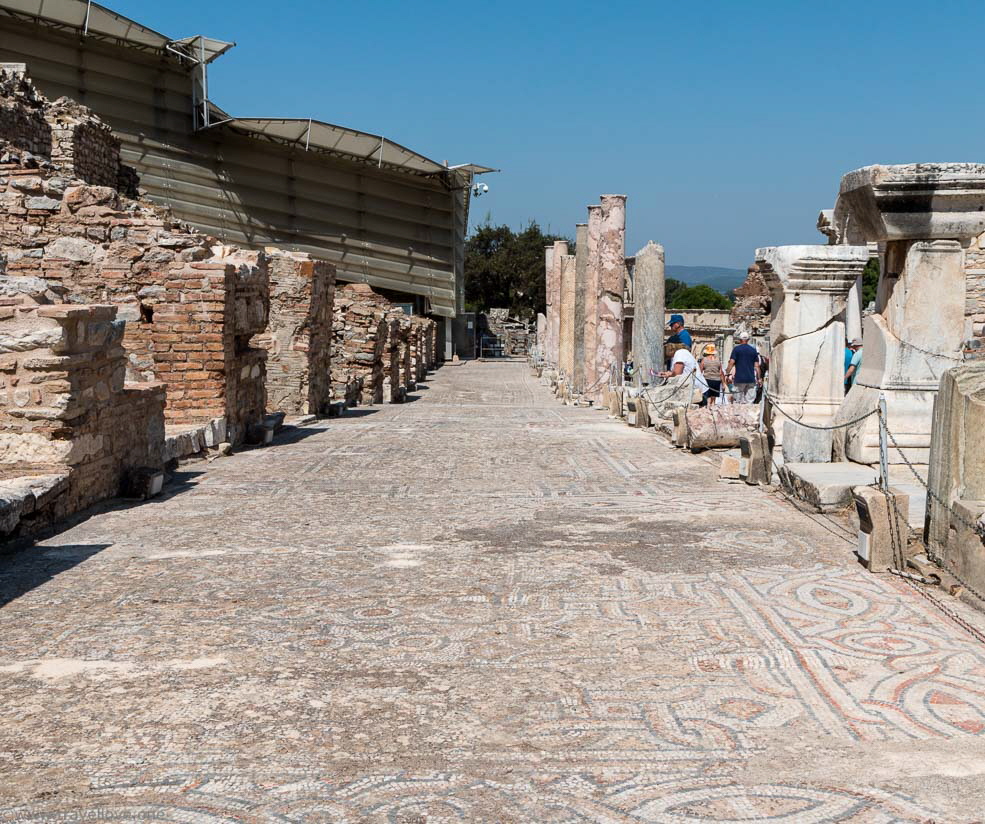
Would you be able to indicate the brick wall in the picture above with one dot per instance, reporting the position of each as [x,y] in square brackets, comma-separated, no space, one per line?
[298,339]
[64,406]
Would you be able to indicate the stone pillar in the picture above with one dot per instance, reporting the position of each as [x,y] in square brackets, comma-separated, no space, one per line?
[581,284]
[551,308]
[809,288]
[957,448]
[925,214]
[612,275]
[648,317]
[560,250]
[566,337]
[593,231]
[541,335]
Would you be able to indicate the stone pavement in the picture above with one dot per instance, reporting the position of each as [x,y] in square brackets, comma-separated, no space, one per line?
[478,606]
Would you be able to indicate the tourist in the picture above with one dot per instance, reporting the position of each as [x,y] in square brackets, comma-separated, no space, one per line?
[713,372]
[743,371]
[856,363]
[683,363]
[680,334]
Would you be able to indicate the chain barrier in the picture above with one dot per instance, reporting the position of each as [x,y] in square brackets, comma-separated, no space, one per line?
[786,414]
[934,558]
[674,391]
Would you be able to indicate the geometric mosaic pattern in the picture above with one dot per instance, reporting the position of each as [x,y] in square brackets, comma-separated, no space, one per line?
[478,606]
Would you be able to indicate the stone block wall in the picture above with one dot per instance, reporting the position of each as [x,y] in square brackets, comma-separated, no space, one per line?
[298,339]
[85,148]
[23,127]
[360,344]
[516,337]
[975,298]
[752,303]
[65,410]
[190,317]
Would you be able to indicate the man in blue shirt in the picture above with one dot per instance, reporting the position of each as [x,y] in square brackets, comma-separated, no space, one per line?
[681,335]
[856,363]
[743,371]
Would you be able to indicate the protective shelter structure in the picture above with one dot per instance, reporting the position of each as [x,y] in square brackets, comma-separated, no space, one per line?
[380,212]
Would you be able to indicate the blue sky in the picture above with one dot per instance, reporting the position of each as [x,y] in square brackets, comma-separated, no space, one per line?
[728,124]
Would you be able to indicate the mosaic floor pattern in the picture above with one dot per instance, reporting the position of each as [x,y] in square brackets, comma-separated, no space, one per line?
[478,606]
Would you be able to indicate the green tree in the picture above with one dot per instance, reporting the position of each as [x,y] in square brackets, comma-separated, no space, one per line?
[870,281]
[700,296]
[672,288]
[504,268]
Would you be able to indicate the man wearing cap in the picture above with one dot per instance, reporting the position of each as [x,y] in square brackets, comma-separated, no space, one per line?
[681,335]
[743,371]
[855,365]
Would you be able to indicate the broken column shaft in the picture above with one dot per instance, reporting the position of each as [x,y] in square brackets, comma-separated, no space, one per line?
[648,317]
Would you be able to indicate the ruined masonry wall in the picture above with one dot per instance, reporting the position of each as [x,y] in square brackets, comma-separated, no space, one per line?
[975,298]
[65,407]
[298,339]
[360,333]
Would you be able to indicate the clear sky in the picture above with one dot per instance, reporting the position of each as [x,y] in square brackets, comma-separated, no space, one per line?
[728,124]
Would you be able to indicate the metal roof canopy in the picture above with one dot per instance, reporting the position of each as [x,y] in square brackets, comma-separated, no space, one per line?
[326,138]
[96,21]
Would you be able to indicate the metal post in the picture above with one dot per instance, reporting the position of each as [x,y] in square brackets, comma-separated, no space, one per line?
[762,412]
[883,444]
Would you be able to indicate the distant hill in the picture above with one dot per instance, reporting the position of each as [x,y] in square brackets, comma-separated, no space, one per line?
[717,277]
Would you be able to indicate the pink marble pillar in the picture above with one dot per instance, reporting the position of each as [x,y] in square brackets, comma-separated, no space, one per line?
[612,277]
[591,299]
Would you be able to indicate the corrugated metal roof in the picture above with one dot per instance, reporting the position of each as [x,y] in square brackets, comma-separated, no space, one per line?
[90,18]
[317,136]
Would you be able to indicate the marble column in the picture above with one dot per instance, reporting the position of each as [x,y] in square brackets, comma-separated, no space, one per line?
[581,282]
[648,317]
[560,250]
[923,216]
[592,233]
[612,275]
[541,333]
[809,287]
[551,308]
[566,337]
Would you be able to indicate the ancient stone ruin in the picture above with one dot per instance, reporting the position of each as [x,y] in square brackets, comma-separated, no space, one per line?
[129,341]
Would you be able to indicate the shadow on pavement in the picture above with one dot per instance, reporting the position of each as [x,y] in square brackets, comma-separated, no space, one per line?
[26,569]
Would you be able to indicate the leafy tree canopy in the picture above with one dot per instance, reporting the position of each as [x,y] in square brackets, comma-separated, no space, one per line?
[870,280]
[700,296]
[504,268]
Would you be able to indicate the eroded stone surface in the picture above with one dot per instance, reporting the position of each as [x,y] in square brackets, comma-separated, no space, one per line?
[479,606]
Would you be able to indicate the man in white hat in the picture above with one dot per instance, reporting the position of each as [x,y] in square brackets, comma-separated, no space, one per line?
[743,371]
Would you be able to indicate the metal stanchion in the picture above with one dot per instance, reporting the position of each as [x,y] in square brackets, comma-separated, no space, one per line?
[883,445]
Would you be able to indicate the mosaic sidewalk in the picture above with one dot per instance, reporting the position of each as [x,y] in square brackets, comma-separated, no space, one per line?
[478,606]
